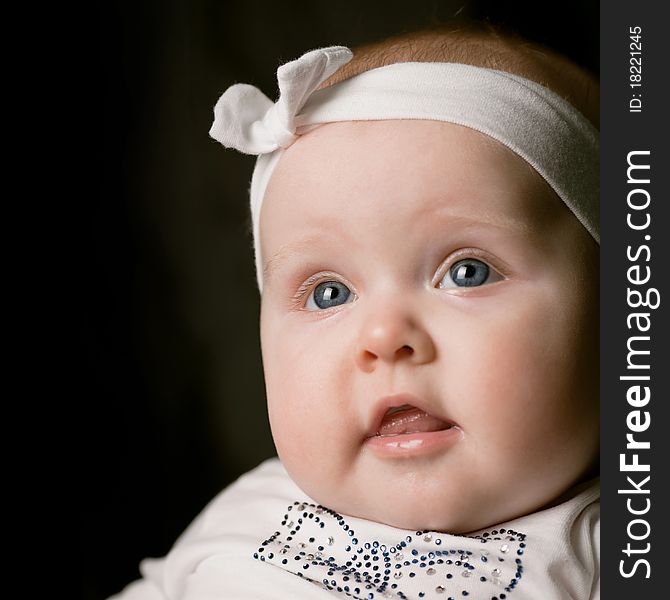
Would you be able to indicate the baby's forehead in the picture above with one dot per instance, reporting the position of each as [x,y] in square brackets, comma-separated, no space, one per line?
[412,169]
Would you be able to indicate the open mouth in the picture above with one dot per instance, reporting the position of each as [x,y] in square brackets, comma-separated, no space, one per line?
[400,420]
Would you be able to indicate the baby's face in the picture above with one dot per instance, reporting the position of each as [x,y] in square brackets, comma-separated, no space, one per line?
[423,258]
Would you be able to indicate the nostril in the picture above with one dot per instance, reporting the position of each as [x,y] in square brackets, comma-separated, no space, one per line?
[369,356]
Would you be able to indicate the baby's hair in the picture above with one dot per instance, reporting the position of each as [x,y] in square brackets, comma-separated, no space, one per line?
[481,44]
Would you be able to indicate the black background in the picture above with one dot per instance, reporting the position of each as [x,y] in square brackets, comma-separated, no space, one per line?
[175,403]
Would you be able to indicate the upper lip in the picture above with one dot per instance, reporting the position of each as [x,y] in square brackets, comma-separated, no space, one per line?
[383,404]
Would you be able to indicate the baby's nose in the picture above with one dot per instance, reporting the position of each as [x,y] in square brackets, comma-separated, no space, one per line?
[391,335]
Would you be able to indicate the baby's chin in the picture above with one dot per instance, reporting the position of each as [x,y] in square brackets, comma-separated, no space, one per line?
[440,511]
[454,514]
[418,522]
[425,495]
[420,519]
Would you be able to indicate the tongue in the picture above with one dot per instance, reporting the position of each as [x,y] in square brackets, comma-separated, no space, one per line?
[410,420]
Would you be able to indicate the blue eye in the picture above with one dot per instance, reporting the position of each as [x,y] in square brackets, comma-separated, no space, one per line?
[328,294]
[469,272]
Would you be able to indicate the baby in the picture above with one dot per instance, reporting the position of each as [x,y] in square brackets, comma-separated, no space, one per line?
[426,236]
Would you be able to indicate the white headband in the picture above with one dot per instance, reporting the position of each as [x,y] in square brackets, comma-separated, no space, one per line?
[531,120]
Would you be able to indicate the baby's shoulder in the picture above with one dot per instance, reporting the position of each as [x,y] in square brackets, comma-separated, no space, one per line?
[564,541]
[214,557]
[247,505]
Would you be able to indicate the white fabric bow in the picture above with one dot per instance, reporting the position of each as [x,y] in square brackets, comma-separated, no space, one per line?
[247,120]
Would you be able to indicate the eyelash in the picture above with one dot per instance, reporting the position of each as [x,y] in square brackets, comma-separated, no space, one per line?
[314,280]
[465,253]
[454,257]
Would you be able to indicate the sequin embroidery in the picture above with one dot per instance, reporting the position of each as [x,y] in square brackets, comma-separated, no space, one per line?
[488,564]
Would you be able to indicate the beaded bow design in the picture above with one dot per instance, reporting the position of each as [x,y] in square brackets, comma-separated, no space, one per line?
[317,544]
[247,120]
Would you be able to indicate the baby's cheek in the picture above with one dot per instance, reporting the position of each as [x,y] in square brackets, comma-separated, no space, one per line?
[524,368]
[296,411]
[549,393]
[313,421]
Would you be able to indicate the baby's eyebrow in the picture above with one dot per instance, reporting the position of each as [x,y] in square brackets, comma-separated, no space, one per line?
[285,251]
[516,225]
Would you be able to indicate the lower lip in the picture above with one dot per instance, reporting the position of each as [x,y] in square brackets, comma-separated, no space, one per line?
[413,444]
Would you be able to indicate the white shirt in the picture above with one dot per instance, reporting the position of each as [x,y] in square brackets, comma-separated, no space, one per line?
[244,544]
